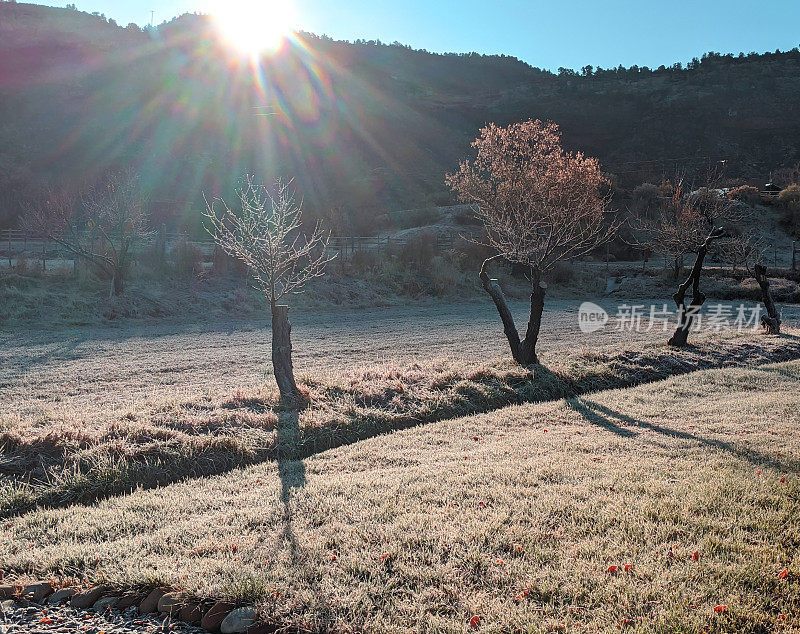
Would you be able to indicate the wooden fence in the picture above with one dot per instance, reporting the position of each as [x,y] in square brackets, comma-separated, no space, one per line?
[17,243]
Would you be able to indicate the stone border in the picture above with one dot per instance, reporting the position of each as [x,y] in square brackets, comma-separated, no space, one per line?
[221,616]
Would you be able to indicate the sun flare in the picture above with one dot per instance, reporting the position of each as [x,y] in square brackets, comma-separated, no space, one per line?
[253,26]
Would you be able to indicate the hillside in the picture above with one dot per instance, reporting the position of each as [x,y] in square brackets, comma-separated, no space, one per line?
[358,125]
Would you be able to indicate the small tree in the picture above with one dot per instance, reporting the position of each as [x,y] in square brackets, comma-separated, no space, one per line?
[103,226]
[539,204]
[688,224]
[265,234]
[686,315]
[673,232]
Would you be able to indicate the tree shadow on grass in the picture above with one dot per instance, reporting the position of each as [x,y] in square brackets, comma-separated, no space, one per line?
[479,394]
[618,423]
[292,475]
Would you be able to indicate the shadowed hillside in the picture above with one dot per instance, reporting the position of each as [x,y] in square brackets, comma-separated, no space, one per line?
[358,125]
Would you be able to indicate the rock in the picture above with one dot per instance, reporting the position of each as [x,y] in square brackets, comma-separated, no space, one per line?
[191,613]
[170,603]
[6,592]
[106,603]
[238,620]
[150,602]
[128,600]
[60,596]
[7,605]
[37,592]
[212,620]
[87,598]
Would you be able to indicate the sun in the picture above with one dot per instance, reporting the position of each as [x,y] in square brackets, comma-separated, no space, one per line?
[253,26]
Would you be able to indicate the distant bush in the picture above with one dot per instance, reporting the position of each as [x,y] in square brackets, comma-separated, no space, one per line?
[789,199]
[224,264]
[746,194]
[646,199]
[419,250]
[563,273]
[444,275]
[187,259]
[365,261]
[666,189]
[468,255]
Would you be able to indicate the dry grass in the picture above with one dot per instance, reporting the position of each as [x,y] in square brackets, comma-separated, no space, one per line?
[514,516]
[52,460]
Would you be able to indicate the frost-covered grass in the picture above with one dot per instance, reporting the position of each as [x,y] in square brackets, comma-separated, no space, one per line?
[516,516]
[62,455]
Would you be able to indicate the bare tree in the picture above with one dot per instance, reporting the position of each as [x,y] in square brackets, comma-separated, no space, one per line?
[686,315]
[685,219]
[265,233]
[539,204]
[742,248]
[103,226]
[771,321]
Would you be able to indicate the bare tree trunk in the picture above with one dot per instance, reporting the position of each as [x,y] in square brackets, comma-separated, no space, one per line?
[523,352]
[282,354]
[686,316]
[771,320]
[527,352]
[678,266]
[117,283]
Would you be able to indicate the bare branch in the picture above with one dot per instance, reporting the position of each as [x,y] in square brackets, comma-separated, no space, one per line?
[265,233]
[538,203]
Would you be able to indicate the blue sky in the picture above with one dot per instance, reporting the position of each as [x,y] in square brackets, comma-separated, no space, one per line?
[569,33]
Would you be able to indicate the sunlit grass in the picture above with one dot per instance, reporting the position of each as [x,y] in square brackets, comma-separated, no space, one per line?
[514,516]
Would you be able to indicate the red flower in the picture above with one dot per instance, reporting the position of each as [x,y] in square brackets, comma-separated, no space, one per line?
[627,567]
[783,480]
[783,574]
[612,570]
[758,472]
[720,608]
[474,622]
[695,555]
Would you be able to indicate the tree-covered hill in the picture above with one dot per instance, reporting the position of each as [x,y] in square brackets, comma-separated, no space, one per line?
[361,125]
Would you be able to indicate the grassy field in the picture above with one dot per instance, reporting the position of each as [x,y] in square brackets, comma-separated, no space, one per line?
[145,407]
[514,515]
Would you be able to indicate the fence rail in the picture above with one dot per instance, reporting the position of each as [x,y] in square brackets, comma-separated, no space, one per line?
[18,243]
